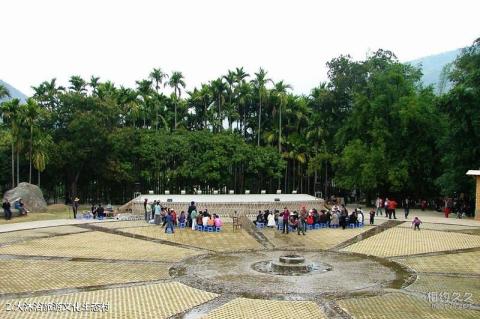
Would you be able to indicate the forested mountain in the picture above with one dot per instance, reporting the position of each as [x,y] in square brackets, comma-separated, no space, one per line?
[371,128]
[14,93]
[435,69]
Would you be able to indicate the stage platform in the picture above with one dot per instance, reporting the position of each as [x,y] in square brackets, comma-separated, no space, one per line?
[227,205]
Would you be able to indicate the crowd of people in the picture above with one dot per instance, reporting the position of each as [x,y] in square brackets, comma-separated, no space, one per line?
[169,218]
[337,216]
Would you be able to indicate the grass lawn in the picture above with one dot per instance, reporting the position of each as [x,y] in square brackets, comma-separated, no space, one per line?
[56,211]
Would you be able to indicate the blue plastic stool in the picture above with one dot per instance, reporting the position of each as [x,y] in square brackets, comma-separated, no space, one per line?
[210,229]
[181,225]
[205,228]
[360,225]
[334,226]
[279,226]
[323,225]
[218,229]
[317,226]
[310,227]
[351,225]
[260,225]
[199,227]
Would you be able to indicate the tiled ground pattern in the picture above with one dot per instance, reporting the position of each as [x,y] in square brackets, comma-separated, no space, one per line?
[99,245]
[226,240]
[122,224]
[400,241]
[266,309]
[34,275]
[11,237]
[463,263]
[433,226]
[401,306]
[314,239]
[450,284]
[149,301]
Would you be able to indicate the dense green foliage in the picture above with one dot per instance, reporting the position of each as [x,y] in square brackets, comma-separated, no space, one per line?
[372,128]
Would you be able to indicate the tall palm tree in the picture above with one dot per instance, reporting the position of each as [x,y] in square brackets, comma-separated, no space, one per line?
[176,82]
[40,153]
[280,90]
[157,75]
[259,82]
[9,112]
[218,90]
[31,113]
[144,88]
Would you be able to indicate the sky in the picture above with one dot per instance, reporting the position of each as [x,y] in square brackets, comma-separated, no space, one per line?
[123,40]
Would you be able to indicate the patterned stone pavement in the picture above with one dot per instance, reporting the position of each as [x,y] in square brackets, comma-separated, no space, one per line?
[16,236]
[401,241]
[21,275]
[226,240]
[461,287]
[462,263]
[148,301]
[98,245]
[314,239]
[266,309]
[402,306]
[132,276]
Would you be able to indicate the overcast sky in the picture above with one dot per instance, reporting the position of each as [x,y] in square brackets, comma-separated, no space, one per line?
[123,40]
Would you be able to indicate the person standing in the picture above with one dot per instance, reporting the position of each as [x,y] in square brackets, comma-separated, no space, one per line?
[145,204]
[285,217]
[100,211]
[191,208]
[406,207]
[379,205]
[169,221]
[385,204]
[152,207]
[372,217]
[193,219]
[75,207]
[302,221]
[6,209]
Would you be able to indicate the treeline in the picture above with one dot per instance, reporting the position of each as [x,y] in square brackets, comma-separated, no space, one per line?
[372,128]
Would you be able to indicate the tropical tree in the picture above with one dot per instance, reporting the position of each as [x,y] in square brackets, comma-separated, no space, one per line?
[9,110]
[259,82]
[158,76]
[31,112]
[4,92]
[280,91]
[176,82]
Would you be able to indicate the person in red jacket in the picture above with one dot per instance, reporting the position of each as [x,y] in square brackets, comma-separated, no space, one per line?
[392,204]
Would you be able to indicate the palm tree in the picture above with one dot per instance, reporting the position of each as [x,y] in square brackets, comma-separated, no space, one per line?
[218,90]
[144,89]
[157,75]
[40,153]
[280,91]
[176,81]
[9,111]
[94,82]
[4,92]
[31,113]
[77,84]
[259,82]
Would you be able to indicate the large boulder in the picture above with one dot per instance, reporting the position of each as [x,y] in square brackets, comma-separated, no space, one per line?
[31,196]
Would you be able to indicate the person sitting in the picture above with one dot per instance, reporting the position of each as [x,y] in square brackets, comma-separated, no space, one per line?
[100,211]
[310,218]
[335,219]
[181,218]
[218,221]
[21,207]
[353,218]
[200,218]
[293,222]
[271,220]
[328,217]
[211,221]
[316,217]
[259,218]
[323,218]
[205,219]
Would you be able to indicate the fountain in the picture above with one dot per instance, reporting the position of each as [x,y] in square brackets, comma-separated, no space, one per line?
[290,265]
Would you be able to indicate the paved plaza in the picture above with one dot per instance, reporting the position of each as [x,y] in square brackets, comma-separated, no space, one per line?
[130,269]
